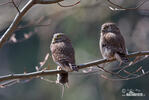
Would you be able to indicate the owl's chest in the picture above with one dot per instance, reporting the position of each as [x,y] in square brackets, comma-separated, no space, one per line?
[59,48]
[107,43]
[62,50]
[107,52]
[110,38]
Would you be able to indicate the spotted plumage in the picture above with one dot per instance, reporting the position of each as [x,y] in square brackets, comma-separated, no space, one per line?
[63,55]
[112,43]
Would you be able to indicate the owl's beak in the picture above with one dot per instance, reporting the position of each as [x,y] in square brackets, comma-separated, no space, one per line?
[109,29]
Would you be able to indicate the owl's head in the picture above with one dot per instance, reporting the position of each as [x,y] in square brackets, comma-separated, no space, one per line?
[109,27]
[60,37]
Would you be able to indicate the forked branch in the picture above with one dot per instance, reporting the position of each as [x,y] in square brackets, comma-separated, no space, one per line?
[19,16]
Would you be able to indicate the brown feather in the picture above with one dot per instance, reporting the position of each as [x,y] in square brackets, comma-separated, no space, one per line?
[112,43]
[63,55]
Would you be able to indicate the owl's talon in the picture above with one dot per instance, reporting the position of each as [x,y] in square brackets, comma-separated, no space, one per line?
[74,67]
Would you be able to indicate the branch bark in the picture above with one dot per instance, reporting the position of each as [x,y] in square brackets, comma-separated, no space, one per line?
[47,1]
[19,16]
[124,8]
[15,22]
[54,72]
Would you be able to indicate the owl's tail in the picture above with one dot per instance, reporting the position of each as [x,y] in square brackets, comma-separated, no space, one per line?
[62,78]
[121,57]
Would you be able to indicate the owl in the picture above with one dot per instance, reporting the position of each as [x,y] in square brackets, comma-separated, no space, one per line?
[63,55]
[112,43]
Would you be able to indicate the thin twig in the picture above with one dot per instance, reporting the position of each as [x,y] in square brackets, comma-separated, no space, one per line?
[68,5]
[8,83]
[15,22]
[137,59]
[5,3]
[124,8]
[112,73]
[15,6]
[133,73]
[19,3]
[115,79]
[47,1]
[19,16]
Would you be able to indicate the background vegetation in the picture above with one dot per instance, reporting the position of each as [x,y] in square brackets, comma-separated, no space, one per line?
[82,24]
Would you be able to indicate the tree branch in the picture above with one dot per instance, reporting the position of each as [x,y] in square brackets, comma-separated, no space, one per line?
[54,72]
[47,1]
[19,16]
[124,8]
[15,22]
[15,6]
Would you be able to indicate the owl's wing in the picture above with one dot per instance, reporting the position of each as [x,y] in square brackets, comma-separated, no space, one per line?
[63,56]
[116,44]
[122,44]
[63,62]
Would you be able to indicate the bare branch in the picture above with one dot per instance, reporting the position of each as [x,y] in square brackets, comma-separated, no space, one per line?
[137,59]
[15,6]
[124,8]
[30,75]
[97,62]
[47,1]
[15,22]
[112,79]
[19,16]
[81,66]
[68,5]
[8,83]
[112,73]
[19,3]
[5,3]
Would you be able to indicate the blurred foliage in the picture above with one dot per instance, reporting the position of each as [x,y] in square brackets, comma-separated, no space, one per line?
[82,25]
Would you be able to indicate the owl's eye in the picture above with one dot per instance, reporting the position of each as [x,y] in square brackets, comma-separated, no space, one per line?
[106,27]
[58,36]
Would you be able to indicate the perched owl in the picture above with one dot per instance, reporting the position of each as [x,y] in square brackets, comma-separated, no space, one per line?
[63,55]
[112,43]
